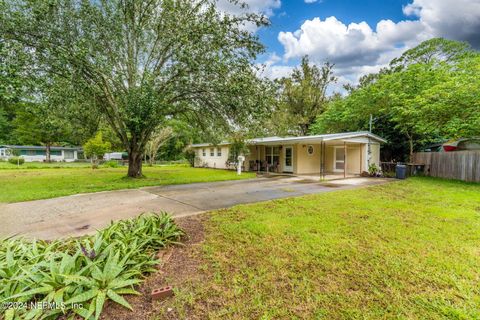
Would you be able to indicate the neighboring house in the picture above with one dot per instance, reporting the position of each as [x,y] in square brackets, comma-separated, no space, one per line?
[463,144]
[39,154]
[115,156]
[339,153]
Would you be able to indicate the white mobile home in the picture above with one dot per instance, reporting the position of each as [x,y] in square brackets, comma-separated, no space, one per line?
[39,153]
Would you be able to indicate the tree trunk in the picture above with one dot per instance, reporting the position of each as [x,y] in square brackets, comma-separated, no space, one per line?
[135,164]
[47,152]
[410,145]
[411,149]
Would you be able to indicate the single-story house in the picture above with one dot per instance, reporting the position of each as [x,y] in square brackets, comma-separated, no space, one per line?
[348,153]
[39,153]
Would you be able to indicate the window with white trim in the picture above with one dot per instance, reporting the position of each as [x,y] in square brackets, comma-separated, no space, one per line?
[212,152]
[219,152]
[272,155]
[204,152]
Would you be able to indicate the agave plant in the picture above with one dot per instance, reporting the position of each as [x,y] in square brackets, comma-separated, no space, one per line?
[77,276]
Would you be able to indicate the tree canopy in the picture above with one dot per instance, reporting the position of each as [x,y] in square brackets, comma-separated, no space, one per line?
[141,63]
[302,97]
[429,94]
[96,147]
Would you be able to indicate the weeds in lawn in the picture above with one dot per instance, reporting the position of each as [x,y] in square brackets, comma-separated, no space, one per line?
[45,280]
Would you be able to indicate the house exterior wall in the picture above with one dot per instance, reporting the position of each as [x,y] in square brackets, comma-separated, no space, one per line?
[363,148]
[375,149]
[353,159]
[214,161]
[329,153]
[308,163]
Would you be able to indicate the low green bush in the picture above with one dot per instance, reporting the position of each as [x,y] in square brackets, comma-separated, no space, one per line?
[111,164]
[16,160]
[75,277]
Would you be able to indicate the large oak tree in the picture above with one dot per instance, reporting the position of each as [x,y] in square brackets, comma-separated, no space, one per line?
[142,63]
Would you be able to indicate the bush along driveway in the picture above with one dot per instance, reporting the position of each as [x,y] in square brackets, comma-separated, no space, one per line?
[78,276]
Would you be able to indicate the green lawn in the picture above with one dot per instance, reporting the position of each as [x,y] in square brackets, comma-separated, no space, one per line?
[43,165]
[404,250]
[31,184]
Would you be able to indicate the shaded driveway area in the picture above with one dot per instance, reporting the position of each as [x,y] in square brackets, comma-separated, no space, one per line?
[84,213]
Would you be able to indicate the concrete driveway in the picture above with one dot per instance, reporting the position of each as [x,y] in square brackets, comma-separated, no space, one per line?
[84,213]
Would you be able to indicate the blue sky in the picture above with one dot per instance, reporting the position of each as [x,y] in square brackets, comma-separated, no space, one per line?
[358,36]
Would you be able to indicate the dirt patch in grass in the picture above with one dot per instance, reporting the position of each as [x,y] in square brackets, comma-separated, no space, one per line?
[182,267]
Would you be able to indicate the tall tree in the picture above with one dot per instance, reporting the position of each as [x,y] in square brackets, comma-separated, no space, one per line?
[95,148]
[40,124]
[4,126]
[141,62]
[12,83]
[433,51]
[159,138]
[304,94]
[428,94]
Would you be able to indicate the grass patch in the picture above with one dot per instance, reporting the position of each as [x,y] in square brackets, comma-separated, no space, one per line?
[75,277]
[404,250]
[32,184]
[4,165]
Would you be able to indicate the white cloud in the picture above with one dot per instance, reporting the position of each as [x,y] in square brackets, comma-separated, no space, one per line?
[311,1]
[357,48]
[453,19]
[265,7]
[271,70]
[356,44]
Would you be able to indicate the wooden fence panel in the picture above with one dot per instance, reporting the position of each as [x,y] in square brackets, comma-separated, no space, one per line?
[461,165]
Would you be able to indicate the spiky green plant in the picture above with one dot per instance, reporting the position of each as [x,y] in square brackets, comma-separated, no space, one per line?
[77,276]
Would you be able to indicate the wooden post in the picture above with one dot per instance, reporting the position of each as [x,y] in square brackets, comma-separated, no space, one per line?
[344,159]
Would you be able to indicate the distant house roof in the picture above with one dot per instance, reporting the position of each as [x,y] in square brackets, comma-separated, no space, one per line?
[6,146]
[306,139]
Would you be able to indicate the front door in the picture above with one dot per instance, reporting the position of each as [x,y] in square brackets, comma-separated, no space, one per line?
[288,159]
[339,159]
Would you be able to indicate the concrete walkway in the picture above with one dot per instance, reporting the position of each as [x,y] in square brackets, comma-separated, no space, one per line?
[84,213]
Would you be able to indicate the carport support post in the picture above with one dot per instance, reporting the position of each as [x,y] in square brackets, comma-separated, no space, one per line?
[344,159]
[258,161]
